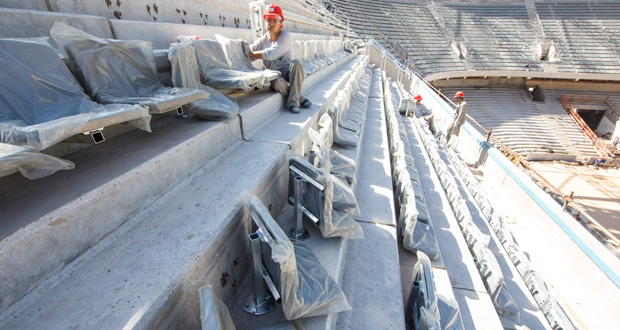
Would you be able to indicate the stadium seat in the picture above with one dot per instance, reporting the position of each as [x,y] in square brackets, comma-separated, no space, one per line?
[330,201]
[43,103]
[120,71]
[302,283]
[186,73]
[222,68]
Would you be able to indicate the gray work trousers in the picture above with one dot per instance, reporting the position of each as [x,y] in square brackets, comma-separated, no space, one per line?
[289,83]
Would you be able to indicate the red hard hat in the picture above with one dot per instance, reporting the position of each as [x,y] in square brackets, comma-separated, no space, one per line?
[273,11]
[459,94]
[418,97]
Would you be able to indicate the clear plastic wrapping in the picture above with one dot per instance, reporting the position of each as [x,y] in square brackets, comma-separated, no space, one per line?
[305,287]
[29,163]
[214,314]
[239,60]
[186,73]
[207,305]
[339,205]
[215,69]
[120,71]
[42,103]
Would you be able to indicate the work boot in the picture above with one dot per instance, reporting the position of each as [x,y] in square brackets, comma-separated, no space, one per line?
[294,109]
[306,103]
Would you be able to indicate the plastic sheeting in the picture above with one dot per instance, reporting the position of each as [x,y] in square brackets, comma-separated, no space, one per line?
[120,71]
[239,60]
[186,73]
[422,298]
[214,314]
[29,163]
[337,164]
[417,235]
[305,287]
[339,206]
[225,65]
[215,69]
[207,306]
[42,103]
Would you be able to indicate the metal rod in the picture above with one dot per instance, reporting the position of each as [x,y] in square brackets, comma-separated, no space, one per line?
[298,204]
[257,268]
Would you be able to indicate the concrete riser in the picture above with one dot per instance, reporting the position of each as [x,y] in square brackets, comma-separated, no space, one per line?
[47,245]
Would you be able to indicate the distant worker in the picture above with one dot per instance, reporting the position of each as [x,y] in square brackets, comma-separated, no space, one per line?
[422,111]
[275,48]
[598,162]
[460,114]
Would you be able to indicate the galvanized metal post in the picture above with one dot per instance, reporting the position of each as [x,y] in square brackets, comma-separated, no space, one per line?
[259,302]
[299,233]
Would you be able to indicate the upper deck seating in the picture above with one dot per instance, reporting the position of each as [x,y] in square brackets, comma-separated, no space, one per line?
[186,73]
[224,65]
[29,163]
[119,71]
[303,284]
[42,103]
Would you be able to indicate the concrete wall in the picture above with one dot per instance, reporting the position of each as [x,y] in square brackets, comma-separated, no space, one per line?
[299,17]
[39,23]
[605,126]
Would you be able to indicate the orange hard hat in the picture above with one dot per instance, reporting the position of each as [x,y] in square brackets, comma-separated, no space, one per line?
[418,97]
[459,94]
[273,11]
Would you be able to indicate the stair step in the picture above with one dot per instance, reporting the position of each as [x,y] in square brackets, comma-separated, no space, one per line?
[168,238]
[369,281]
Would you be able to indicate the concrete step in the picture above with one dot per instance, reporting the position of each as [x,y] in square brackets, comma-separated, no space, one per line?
[208,194]
[330,251]
[370,279]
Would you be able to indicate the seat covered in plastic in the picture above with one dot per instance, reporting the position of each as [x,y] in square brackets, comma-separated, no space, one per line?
[336,210]
[224,65]
[120,71]
[304,285]
[31,164]
[42,103]
[186,73]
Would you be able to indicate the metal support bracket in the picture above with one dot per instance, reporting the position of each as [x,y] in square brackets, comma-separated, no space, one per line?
[96,135]
[259,302]
[298,233]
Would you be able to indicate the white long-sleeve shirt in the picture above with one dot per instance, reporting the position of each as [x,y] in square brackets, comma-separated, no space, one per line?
[277,55]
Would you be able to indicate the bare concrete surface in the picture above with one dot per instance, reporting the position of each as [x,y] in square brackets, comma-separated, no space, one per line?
[596,190]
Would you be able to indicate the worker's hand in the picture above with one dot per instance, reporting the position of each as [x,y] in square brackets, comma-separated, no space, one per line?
[246,47]
[255,55]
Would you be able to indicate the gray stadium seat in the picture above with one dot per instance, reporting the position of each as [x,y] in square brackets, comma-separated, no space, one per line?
[223,68]
[302,283]
[333,206]
[42,103]
[186,73]
[120,71]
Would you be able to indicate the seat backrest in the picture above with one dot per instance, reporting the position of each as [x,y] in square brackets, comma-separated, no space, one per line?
[109,69]
[36,85]
[235,54]
[184,68]
[210,55]
[313,197]
[277,249]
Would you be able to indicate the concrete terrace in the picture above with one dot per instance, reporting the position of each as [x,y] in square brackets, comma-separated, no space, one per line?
[125,238]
